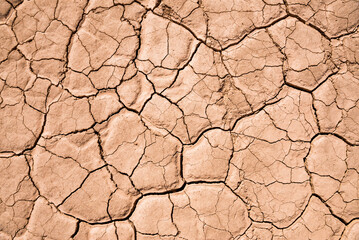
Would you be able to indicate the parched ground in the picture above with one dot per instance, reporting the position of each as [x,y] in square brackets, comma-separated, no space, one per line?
[179,119]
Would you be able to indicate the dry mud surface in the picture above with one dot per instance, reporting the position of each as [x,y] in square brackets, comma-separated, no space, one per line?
[179,119]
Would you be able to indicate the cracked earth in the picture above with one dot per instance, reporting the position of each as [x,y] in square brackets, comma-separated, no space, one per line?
[186,119]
